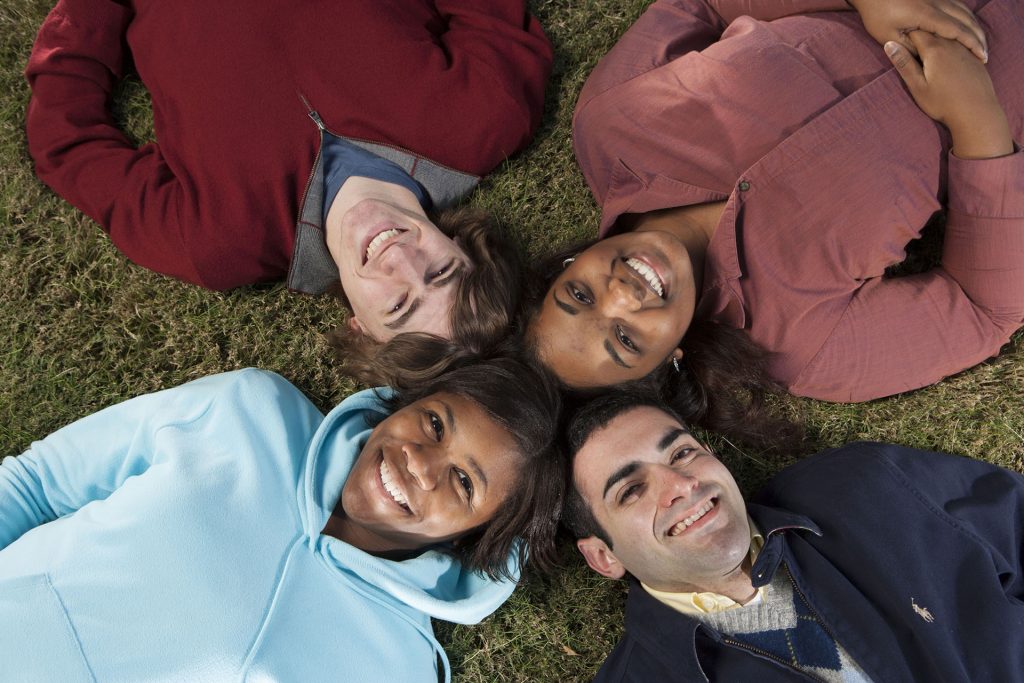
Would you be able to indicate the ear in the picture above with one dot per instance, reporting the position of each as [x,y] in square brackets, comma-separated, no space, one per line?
[600,557]
[677,354]
[355,325]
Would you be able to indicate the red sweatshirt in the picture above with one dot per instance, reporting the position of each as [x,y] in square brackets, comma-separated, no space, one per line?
[215,200]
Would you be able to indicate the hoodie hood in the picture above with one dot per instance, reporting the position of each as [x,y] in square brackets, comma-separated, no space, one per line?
[432,583]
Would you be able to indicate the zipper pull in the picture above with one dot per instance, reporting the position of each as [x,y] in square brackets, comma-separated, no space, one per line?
[312,112]
[317,120]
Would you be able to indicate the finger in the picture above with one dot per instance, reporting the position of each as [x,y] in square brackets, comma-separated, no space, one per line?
[910,71]
[968,17]
[959,25]
[923,40]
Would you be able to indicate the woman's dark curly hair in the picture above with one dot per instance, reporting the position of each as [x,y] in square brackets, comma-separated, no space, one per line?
[722,384]
[525,401]
[485,302]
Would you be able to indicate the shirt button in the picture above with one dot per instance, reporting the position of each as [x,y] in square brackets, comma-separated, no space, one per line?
[744,186]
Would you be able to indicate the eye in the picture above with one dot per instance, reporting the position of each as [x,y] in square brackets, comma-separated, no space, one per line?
[398,306]
[436,426]
[465,482]
[625,340]
[441,271]
[630,492]
[580,295]
[683,453]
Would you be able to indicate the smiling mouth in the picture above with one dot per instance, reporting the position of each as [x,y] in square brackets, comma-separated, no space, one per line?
[685,524]
[648,275]
[391,487]
[377,242]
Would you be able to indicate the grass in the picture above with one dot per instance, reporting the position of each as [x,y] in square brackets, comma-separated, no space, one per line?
[81,328]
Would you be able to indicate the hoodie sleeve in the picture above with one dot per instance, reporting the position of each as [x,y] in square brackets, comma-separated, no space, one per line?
[89,459]
[81,153]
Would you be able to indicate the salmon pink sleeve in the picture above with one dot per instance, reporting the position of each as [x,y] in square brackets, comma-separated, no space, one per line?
[903,333]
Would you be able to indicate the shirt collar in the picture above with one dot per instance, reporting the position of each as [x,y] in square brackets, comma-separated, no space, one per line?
[698,603]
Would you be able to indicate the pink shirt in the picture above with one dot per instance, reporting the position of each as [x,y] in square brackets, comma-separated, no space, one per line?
[829,169]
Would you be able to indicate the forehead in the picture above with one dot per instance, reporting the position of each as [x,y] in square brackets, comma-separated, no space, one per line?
[630,436]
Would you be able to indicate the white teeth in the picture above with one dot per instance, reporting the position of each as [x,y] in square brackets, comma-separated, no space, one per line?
[647,273]
[683,525]
[389,485]
[380,239]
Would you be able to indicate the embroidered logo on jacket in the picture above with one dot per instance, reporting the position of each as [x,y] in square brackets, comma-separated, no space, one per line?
[922,611]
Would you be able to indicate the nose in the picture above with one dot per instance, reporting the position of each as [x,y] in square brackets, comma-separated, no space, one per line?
[423,464]
[403,261]
[674,485]
[622,296]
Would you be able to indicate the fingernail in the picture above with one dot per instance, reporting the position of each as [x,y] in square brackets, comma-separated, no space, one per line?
[891,48]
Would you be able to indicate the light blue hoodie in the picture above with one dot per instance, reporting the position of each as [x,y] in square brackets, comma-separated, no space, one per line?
[176,537]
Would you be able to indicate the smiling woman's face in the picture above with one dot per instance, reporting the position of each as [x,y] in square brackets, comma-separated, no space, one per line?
[618,311]
[429,473]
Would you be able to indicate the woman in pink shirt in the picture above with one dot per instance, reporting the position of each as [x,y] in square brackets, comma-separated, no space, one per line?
[757,175]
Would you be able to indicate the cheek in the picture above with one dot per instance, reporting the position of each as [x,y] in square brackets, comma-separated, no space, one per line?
[670,329]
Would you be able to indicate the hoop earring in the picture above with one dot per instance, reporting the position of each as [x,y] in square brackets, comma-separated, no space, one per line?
[568,261]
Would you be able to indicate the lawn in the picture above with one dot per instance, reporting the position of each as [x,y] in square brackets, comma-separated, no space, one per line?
[82,328]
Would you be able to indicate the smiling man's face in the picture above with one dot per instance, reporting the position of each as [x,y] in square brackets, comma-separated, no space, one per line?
[400,273]
[672,510]
[429,473]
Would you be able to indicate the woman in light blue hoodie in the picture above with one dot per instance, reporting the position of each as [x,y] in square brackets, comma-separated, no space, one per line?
[225,530]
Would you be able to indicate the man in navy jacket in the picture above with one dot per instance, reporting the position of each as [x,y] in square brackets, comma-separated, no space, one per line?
[869,562]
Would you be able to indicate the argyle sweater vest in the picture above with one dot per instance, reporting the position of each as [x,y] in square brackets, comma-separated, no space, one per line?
[783,626]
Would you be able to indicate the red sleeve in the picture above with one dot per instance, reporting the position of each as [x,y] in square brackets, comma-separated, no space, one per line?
[903,333]
[487,72]
[81,153]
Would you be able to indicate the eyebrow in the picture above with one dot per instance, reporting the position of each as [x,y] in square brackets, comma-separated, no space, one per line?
[454,273]
[619,475]
[671,435]
[615,355]
[451,417]
[404,318]
[666,440]
[414,306]
[473,465]
[564,306]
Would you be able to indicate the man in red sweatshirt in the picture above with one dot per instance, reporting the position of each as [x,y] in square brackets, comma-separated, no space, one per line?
[299,140]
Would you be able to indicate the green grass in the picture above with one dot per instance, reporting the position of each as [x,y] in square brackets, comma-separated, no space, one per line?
[81,328]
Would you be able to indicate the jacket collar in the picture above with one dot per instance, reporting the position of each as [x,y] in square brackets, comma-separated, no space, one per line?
[672,636]
[772,522]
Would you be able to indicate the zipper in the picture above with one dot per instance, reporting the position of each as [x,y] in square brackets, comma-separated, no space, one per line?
[776,658]
[316,160]
[398,148]
[769,655]
[803,598]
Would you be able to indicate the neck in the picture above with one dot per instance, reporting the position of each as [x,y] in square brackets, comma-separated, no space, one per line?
[341,527]
[735,584]
[692,225]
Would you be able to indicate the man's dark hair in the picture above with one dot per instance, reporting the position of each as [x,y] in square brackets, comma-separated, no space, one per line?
[484,305]
[526,403]
[722,383]
[595,414]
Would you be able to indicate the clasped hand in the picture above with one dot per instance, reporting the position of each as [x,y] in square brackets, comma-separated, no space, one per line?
[894,20]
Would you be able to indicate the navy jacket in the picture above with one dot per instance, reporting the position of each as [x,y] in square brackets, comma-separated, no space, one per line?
[893,529]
